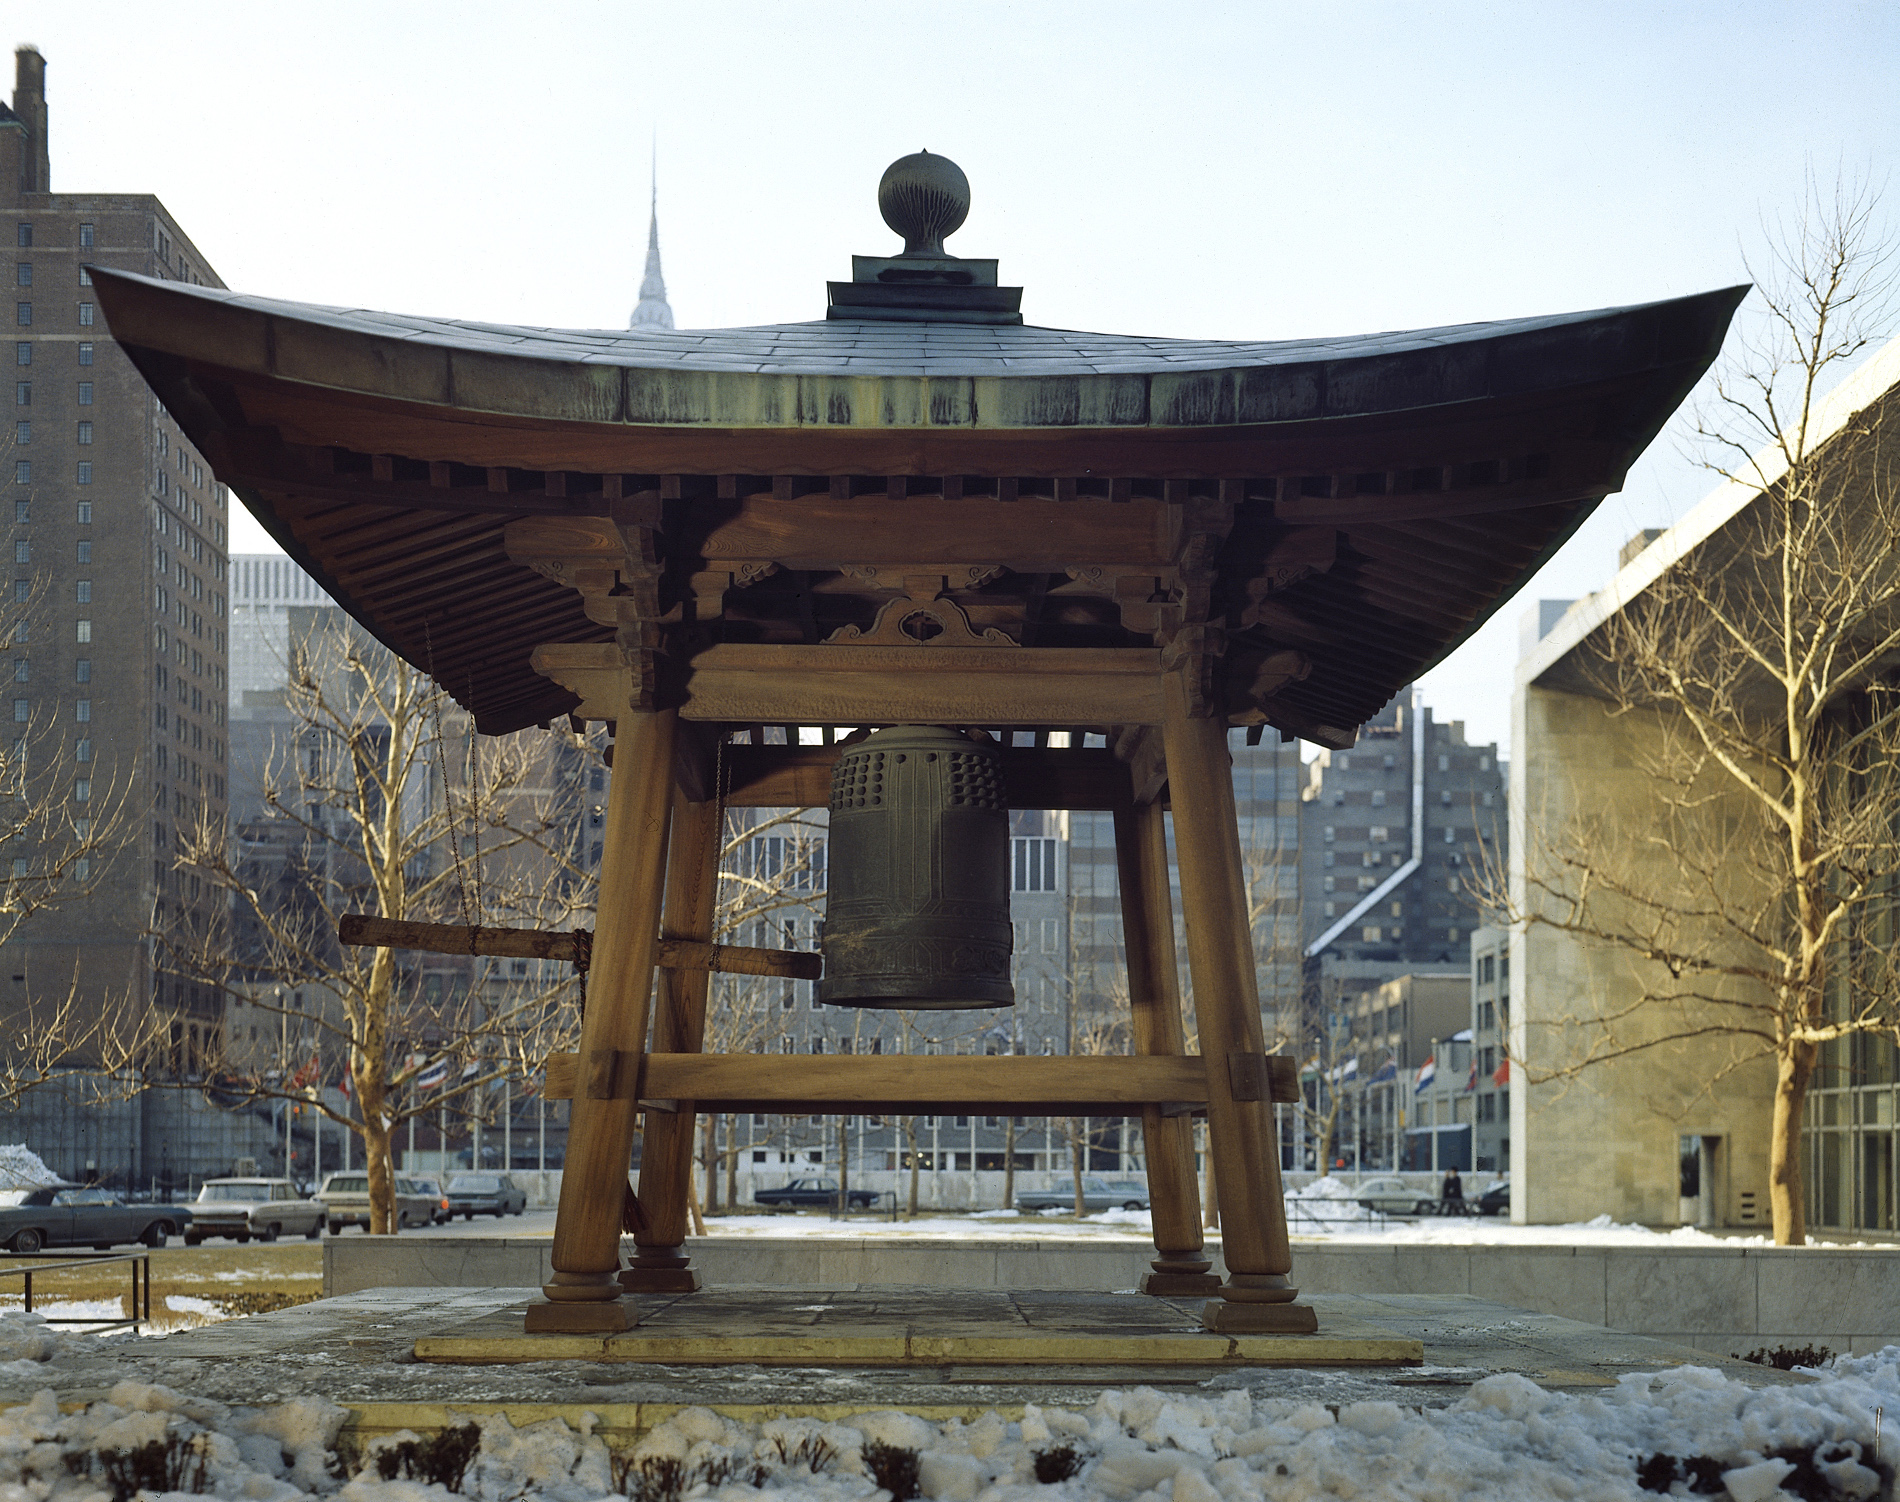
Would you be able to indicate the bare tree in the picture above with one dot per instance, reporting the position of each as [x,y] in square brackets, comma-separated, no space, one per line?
[383,800]
[1756,889]
[68,817]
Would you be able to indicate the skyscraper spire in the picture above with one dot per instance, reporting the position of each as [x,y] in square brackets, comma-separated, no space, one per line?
[653,311]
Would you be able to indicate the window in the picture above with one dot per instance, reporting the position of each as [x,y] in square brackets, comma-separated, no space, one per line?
[21,709]
[23,432]
[22,591]
[85,393]
[23,511]
[19,868]
[82,790]
[1450,837]
[1452,935]
[85,432]
[85,315]
[1378,834]
[22,471]
[21,631]
[22,551]
[23,314]
[22,353]
[85,276]
[22,669]
[85,507]
[1329,834]
[83,750]
[83,631]
[1378,797]
[82,670]
[23,274]
[85,550]
[82,711]
[1371,933]
[82,591]
[85,478]
[25,233]
[22,393]
[1035,864]
[85,355]
[85,237]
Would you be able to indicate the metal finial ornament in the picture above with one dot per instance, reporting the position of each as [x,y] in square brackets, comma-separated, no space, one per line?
[924,198]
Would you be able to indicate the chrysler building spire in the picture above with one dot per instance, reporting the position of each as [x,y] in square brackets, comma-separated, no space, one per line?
[653,311]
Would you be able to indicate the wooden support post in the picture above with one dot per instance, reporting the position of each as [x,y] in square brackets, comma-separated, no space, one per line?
[1257,1295]
[584,1293]
[1154,1001]
[679,1026]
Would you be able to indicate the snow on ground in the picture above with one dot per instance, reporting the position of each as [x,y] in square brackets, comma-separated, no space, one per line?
[1506,1439]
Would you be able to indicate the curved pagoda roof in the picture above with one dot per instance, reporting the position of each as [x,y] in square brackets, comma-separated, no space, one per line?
[1322,520]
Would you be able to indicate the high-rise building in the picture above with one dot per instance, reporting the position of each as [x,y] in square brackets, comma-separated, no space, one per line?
[653,311]
[117,613]
[1397,834]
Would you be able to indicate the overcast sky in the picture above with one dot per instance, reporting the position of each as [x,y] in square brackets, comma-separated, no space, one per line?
[1259,171]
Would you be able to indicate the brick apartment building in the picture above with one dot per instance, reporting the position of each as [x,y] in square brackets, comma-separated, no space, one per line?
[117,621]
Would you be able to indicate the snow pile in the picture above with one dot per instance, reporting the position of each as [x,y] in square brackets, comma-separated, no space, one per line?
[1326,1188]
[21,1168]
[26,1340]
[1141,1220]
[1688,1430]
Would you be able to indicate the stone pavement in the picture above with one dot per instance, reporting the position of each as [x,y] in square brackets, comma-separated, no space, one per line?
[358,1350]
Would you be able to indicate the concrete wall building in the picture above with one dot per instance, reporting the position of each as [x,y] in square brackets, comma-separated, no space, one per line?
[1677,1132]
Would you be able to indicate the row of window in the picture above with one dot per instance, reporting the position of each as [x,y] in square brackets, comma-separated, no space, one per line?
[23,393]
[23,352]
[23,548]
[23,711]
[23,274]
[23,670]
[23,512]
[82,473]
[23,591]
[23,314]
[23,432]
[23,235]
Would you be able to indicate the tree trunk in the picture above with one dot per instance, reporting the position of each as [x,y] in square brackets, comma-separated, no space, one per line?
[844,1164]
[1009,1162]
[1077,1135]
[370,1070]
[712,1165]
[1787,1204]
[1210,1200]
[732,1163]
[910,1136]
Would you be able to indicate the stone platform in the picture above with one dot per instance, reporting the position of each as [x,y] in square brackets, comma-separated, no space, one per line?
[898,1328]
[359,1351]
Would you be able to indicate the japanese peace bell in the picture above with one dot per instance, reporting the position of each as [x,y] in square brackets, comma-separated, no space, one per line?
[917,916]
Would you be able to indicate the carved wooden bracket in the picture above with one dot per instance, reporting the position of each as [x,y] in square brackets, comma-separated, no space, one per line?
[923,619]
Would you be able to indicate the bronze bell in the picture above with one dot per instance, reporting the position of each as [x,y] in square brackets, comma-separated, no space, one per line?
[917,916]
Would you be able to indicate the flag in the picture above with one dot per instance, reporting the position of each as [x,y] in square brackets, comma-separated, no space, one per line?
[343,1086]
[1426,1072]
[1343,1074]
[1472,1083]
[1503,1075]
[433,1077]
[304,1075]
[1389,1070]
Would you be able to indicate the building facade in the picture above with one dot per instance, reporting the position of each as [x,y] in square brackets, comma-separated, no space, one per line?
[116,617]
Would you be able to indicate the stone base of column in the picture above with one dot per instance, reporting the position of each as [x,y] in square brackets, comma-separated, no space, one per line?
[611,1317]
[659,1271]
[1228,1318]
[1181,1285]
[1181,1277]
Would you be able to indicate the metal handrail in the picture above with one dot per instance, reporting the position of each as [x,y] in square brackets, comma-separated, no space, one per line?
[141,1264]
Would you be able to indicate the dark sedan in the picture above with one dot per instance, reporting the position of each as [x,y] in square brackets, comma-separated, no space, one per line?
[812,1194]
[472,1194]
[85,1217]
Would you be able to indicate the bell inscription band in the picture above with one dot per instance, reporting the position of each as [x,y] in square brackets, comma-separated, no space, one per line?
[917,917]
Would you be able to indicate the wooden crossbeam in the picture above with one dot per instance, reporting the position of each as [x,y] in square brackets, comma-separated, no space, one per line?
[901,1085]
[534,944]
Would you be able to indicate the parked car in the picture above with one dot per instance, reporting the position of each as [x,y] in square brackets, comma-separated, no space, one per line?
[1496,1200]
[243,1208]
[1391,1196]
[345,1197]
[85,1217]
[814,1194]
[432,1190]
[472,1194]
[1097,1194]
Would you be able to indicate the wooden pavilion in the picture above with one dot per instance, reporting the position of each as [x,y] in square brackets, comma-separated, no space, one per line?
[917,510]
